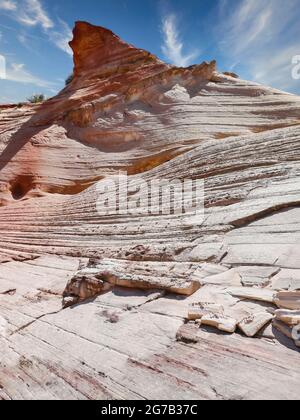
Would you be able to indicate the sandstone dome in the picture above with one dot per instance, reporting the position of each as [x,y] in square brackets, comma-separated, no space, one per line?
[130,284]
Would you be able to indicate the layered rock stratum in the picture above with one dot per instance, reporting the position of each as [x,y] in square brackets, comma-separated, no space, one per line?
[149,306]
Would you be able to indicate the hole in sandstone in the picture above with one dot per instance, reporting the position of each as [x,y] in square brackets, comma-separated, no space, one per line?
[21,187]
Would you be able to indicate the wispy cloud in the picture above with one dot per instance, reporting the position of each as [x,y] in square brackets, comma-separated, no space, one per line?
[8,5]
[62,37]
[31,13]
[18,73]
[262,37]
[173,47]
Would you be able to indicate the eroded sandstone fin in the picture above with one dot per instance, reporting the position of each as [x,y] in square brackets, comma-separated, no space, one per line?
[96,48]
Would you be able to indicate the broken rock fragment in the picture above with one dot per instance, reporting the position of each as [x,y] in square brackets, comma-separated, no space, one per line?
[198,310]
[84,285]
[188,333]
[252,293]
[221,322]
[288,317]
[145,275]
[251,325]
[288,300]
[227,278]
[286,280]
[259,276]
[292,332]
[283,328]
[104,274]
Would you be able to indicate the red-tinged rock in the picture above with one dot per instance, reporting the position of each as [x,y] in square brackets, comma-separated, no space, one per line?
[127,277]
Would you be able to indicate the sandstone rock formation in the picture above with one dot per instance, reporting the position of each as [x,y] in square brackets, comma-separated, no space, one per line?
[109,305]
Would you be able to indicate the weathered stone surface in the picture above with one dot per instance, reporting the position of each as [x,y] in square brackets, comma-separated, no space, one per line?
[288,300]
[254,323]
[84,285]
[283,328]
[250,317]
[171,277]
[207,252]
[252,276]
[287,330]
[221,322]
[234,75]
[253,293]
[286,280]
[126,110]
[198,310]
[288,317]
[188,333]
[228,278]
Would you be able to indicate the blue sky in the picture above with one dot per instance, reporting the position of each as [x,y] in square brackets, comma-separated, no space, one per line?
[257,39]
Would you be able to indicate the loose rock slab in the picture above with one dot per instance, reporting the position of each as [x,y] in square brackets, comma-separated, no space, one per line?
[252,293]
[290,332]
[286,280]
[199,310]
[254,323]
[289,317]
[84,285]
[171,277]
[221,322]
[288,300]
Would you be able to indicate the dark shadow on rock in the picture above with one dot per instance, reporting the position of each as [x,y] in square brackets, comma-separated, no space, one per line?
[46,114]
[127,292]
[213,330]
[17,142]
[285,341]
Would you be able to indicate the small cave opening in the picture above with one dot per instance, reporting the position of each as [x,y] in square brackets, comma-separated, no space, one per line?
[21,186]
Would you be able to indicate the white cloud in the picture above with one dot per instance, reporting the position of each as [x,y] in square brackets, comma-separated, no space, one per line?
[262,37]
[173,46]
[28,14]
[38,14]
[31,13]
[62,37]
[8,5]
[17,72]
[277,69]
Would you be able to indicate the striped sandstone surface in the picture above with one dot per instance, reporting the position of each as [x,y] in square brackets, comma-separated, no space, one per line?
[99,307]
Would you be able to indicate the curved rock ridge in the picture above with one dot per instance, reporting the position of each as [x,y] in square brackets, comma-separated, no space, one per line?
[127,110]
[139,305]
